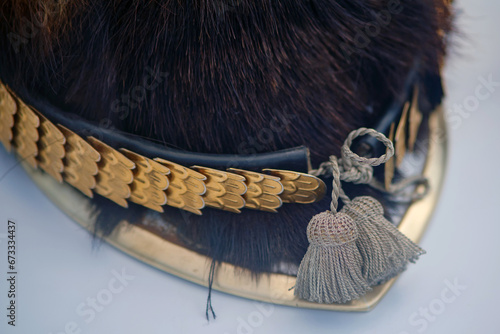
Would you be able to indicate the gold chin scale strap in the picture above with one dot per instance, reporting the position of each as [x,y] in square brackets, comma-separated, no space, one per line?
[124,176]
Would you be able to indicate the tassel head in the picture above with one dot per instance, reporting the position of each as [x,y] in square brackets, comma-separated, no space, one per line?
[328,229]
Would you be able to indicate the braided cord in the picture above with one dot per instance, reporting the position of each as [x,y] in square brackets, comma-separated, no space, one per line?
[352,167]
[350,156]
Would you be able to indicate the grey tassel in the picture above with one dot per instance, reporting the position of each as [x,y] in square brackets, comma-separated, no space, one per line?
[353,249]
[330,272]
[384,249]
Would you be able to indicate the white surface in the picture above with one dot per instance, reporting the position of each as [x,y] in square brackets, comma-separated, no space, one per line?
[59,269]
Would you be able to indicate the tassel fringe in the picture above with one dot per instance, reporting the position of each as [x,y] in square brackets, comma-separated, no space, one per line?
[384,249]
[330,272]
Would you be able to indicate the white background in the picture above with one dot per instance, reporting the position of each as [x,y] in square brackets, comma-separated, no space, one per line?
[59,269]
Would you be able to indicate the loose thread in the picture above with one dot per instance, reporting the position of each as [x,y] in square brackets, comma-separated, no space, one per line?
[211,275]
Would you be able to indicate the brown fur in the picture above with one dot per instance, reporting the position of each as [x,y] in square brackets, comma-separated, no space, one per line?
[230,68]
[232,65]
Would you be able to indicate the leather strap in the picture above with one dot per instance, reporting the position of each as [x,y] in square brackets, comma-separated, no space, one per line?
[296,158]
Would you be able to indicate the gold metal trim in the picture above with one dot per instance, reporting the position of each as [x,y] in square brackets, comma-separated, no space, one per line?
[273,288]
[389,166]
[263,190]
[80,162]
[115,173]
[299,187]
[224,190]
[50,148]
[26,136]
[8,109]
[400,136]
[122,175]
[414,120]
[186,187]
[149,181]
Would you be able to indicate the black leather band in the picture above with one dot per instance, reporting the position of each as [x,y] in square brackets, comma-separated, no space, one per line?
[295,159]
